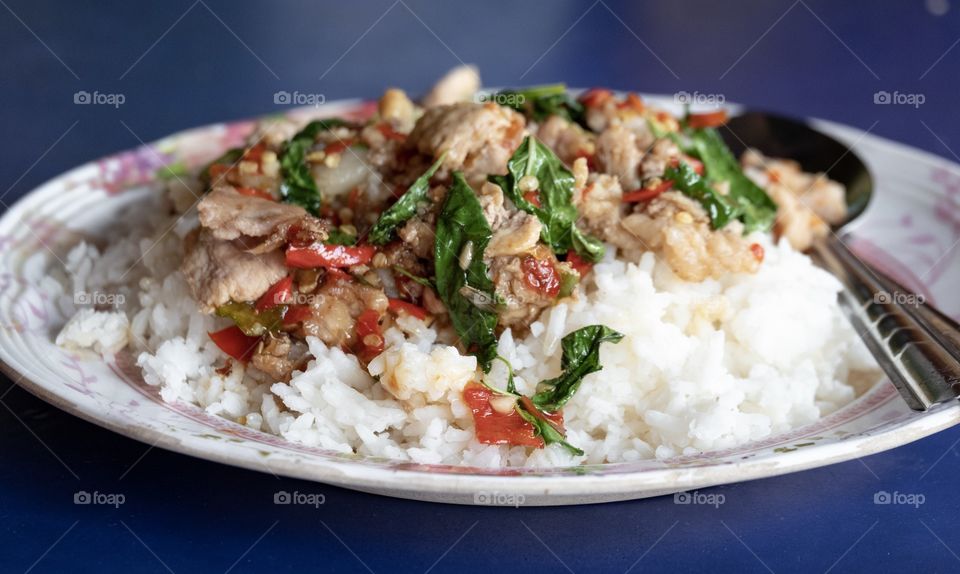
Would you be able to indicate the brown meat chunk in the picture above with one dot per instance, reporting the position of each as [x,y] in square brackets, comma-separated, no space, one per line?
[522,304]
[335,308]
[678,230]
[806,202]
[618,154]
[230,215]
[567,139]
[279,356]
[218,271]
[478,138]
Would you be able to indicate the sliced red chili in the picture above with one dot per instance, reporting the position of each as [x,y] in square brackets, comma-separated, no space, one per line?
[339,146]
[694,163]
[540,275]
[494,427]
[757,251]
[400,306]
[255,153]
[648,193]
[233,342]
[390,133]
[369,337]
[278,294]
[253,192]
[329,256]
[632,102]
[595,97]
[707,119]
[533,197]
[582,266]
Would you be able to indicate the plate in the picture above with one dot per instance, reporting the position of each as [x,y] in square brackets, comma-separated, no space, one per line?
[909,230]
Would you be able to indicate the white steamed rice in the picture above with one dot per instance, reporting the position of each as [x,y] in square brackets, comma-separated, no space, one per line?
[702,366]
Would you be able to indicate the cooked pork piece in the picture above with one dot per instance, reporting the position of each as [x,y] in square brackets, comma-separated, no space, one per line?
[477,138]
[602,211]
[229,214]
[807,202]
[567,139]
[219,271]
[513,281]
[663,153]
[278,356]
[335,307]
[619,154]
[678,229]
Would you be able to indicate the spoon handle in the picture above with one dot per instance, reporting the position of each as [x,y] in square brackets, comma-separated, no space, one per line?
[917,346]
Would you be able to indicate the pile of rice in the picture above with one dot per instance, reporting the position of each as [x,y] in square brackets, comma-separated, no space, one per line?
[702,366]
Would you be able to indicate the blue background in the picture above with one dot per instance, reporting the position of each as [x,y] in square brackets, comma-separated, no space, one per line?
[181,64]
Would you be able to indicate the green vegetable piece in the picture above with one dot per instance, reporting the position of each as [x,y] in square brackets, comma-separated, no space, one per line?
[544,429]
[172,171]
[756,209]
[250,321]
[337,236]
[405,207]
[555,187]
[541,102]
[461,225]
[581,356]
[717,206]
[298,186]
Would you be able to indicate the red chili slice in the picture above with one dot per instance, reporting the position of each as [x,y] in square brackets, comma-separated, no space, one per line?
[233,342]
[339,146]
[757,251]
[278,294]
[595,97]
[707,119]
[583,267]
[253,192]
[367,327]
[540,275]
[399,306]
[647,194]
[493,427]
[632,102]
[390,133]
[329,256]
[533,197]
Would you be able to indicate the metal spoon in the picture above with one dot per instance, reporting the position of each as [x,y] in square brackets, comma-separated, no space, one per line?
[917,346]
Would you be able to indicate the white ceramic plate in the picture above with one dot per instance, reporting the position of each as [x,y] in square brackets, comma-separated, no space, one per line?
[909,230]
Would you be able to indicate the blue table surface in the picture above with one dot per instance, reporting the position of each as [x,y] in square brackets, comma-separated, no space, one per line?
[184,63]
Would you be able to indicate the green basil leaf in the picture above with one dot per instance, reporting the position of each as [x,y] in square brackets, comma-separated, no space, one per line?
[541,102]
[556,212]
[581,356]
[298,186]
[337,236]
[688,182]
[249,320]
[544,429]
[405,207]
[757,210]
[461,224]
